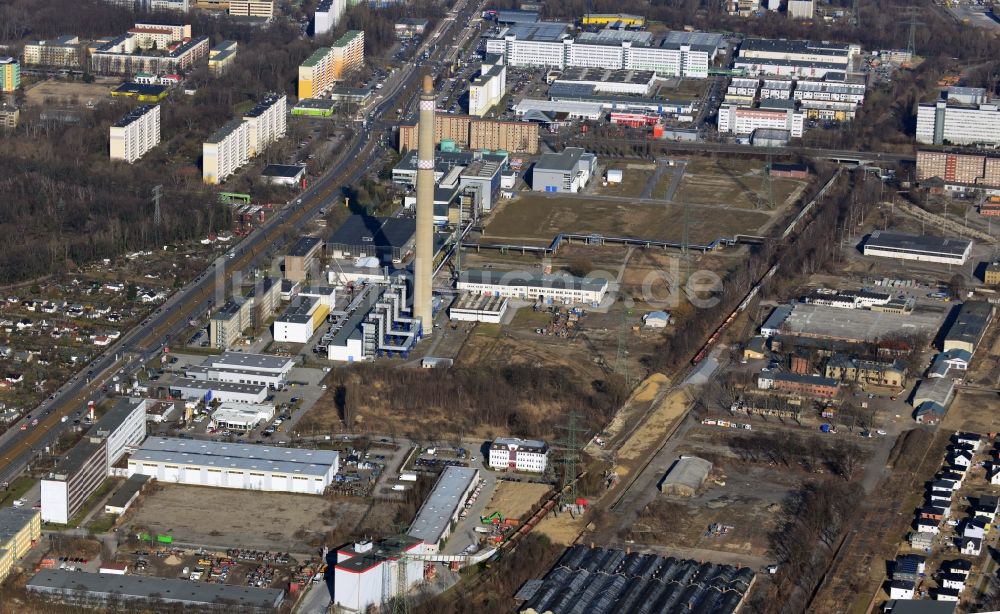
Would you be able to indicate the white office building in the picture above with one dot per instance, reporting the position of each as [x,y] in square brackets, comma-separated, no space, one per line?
[488,89]
[225,151]
[365,571]
[941,123]
[242,416]
[735,119]
[526,285]
[266,123]
[243,466]
[136,133]
[243,368]
[204,390]
[508,453]
[328,14]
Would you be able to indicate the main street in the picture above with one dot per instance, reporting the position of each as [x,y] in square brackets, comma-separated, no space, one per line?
[145,341]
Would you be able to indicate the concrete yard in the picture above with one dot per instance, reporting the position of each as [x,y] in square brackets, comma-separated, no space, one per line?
[224,517]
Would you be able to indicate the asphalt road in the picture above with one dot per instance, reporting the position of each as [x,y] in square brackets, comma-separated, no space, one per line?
[145,341]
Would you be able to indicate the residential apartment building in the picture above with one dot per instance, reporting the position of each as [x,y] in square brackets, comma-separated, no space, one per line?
[9,115]
[226,324]
[127,55]
[20,530]
[959,170]
[942,123]
[136,133]
[991,274]
[348,53]
[252,8]
[327,16]
[225,151]
[266,123]
[222,57]
[488,89]
[519,454]
[316,74]
[63,52]
[10,74]
[301,258]
[470,133]
[741,120]
[73,479]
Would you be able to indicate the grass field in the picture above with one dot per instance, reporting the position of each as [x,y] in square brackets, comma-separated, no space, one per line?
[535,219]
[732,181]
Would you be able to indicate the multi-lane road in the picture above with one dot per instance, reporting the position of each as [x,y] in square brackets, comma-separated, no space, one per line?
[17,447]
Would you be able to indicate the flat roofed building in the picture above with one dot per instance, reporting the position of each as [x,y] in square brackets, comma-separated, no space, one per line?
[74,478]
[226,324]
[969,327]
[531,286]
[488,89]
[303,317]
[135,134]
[364,570]
[284,174]
[478,308]
[314,107]
[88,588]
[348,53]
[301,258]
[242,466]
[187,388]
[225,151]
[123,427]
[316,74]
[266,123]
[20,529]
[567,171]
[126,495]
[10,74]
[328,15]
[960,170]
[475,134]
[510,453]
[923,248]
[744,120]
[143,92]
[942,123]
[252,8]
[242,416]
[64,52]
[386,238]
[410,26]
[435,517]
[222,57]
[848,325]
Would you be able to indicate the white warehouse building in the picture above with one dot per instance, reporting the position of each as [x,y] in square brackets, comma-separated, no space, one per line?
[441,509]
[243,466]
[508,453]
[224,392]
[242,416]
[243,368]
[923,248]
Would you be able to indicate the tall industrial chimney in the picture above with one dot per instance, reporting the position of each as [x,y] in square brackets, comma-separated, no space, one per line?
[424,264]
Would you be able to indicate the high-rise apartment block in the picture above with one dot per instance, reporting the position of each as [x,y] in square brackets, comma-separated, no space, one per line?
[225,151]
[10,74]
[136,133]
[348,53]
[328,14]
[267,122]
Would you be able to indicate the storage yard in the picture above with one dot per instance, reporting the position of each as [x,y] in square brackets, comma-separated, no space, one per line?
[191,514]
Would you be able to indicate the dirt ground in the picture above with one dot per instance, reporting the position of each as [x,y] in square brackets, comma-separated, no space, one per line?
[514,499]
[67,93]
[563,529]
[240,518]
[637,175]
[660,421]
[972,411]
[535,219]
[734,182]
[744,498]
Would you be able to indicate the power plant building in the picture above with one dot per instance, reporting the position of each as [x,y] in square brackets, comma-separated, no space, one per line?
[567,171]
[135,134]
[365,570]
[302,318]
[243,466]
[376,323]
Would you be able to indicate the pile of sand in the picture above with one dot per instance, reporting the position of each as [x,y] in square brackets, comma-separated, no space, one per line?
[173,559]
